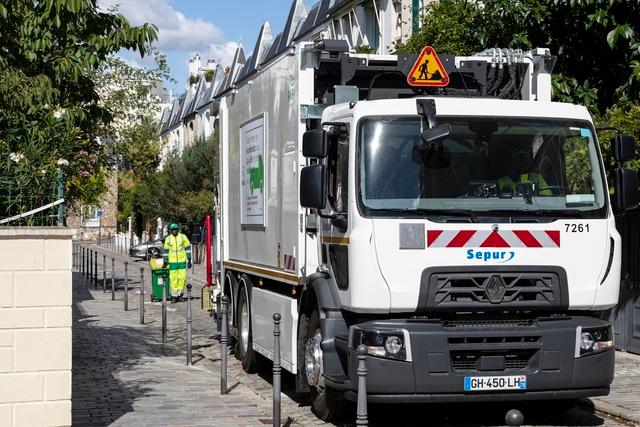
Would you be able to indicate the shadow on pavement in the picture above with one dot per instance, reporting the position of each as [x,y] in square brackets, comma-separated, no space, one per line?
[100,352]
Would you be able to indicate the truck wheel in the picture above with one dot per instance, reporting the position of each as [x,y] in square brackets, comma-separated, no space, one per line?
[328,404]
[244,347]
[228,290]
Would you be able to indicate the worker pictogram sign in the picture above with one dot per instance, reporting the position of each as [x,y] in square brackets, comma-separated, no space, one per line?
[428,70]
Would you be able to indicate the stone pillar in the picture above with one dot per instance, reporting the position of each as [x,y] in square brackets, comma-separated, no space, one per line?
[35,326]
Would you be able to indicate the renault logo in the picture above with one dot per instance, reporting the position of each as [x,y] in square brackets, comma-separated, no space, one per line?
[494,289]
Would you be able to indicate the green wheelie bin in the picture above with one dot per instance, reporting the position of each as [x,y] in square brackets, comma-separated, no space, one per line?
[156,280]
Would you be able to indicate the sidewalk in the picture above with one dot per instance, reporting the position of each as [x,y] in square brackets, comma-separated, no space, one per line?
[122,374]
[624,399]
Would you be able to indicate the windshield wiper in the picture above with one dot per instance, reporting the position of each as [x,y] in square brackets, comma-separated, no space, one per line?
[564,213]
[441,212]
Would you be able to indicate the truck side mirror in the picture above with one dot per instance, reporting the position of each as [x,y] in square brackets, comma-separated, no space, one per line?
[624,147]
[313,187]
[315,143]
[626,189]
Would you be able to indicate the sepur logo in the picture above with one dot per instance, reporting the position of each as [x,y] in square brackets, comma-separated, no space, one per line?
[499,256]
[482,240]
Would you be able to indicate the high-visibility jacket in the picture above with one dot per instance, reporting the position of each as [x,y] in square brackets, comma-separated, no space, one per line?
[506,184]
[177,250]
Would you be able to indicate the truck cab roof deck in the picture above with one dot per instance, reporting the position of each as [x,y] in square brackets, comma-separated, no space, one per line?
[486,74]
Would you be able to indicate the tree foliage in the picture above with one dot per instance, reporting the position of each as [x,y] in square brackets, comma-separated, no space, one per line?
[51,114]
[449,26]
[181,192]
[139,149]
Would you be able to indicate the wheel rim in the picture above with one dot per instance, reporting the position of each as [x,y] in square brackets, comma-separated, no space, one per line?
[313,360]
[244,326]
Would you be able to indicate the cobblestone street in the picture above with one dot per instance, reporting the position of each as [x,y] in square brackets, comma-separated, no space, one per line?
[124,375]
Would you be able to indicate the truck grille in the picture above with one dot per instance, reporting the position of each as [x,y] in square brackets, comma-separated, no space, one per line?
[492,289]
[501,361]
[496,340]
[488,323]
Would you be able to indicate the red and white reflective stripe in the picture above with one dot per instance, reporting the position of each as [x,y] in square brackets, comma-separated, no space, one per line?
[493,239]
[289,262]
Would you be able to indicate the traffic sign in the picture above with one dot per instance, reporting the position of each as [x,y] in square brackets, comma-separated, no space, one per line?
[428,70]
[99,213]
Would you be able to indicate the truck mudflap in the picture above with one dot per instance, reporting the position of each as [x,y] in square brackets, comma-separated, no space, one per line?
[533,360]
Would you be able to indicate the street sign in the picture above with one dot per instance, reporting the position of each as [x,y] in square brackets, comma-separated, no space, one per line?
[428,70]
[99,213]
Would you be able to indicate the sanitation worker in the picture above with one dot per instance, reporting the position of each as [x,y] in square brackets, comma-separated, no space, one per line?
[518,164]
[177,256]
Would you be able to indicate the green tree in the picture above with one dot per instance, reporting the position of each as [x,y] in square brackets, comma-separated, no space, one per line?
[449,26]
[181,192]
[139,148]
[51,115]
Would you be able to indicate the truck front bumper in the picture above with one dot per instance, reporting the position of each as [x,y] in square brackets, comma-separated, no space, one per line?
[442,354]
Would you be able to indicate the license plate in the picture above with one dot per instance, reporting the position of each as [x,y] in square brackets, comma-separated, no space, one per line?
[507,382]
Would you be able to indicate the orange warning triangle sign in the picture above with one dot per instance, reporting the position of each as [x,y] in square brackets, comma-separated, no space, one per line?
[428,70]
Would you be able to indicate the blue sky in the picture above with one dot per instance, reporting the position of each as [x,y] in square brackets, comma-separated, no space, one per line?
[207,26]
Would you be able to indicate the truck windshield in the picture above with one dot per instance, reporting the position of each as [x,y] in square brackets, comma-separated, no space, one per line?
[486,165]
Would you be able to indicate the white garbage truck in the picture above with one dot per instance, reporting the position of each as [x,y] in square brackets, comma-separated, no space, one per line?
[454,220]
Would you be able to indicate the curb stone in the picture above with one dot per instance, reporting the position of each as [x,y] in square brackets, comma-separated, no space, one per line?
[608,408]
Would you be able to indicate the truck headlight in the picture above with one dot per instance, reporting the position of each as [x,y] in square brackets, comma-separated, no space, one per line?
[593,340]
[388,344]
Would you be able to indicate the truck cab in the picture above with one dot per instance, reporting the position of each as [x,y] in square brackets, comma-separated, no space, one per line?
[488,254]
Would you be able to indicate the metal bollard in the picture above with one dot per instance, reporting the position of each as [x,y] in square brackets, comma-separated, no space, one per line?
[113,279]
[361,411]
[164,305]
[142,295]
[95,270]
[223,346]
[276,369]
[189,324]
[104,273]
[82,266]
[218,316]
[90,266]
[126,286]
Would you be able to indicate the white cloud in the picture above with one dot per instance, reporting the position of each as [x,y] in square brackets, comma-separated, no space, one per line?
[176,32]
[222,53]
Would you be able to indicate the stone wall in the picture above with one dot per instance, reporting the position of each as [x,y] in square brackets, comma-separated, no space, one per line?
[35,326]
[109,205]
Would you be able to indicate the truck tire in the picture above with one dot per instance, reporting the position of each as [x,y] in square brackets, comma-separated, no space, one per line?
[328,404]
[244,347]
[227,290]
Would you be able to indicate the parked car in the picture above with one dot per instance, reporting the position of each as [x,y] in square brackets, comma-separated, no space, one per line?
[146,251]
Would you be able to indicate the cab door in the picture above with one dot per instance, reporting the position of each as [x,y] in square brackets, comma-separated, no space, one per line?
[335,232]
